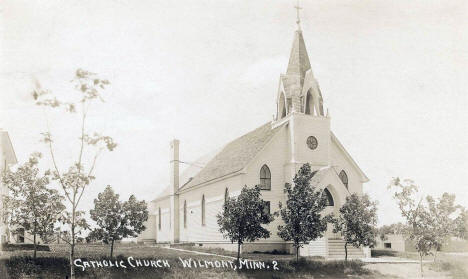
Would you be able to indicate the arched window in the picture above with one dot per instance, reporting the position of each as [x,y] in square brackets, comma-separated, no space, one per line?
[344,178]
[203,210]
[185,214]
[265,178]
[282,106]
[309,104]
[330,201]
[159,218]
[226,194]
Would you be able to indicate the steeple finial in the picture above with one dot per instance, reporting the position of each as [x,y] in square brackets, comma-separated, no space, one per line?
[298,19]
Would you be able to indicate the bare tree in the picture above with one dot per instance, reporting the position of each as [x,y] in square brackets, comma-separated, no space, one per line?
[78,175]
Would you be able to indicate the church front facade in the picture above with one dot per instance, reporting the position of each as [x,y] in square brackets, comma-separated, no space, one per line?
[269,156]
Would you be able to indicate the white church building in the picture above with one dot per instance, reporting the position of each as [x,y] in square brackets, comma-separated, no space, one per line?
[268,156]
[7,158]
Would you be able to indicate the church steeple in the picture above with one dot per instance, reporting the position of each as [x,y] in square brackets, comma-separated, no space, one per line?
[298,59]
[299,91]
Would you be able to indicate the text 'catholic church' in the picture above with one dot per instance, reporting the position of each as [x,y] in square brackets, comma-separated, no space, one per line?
[269,156]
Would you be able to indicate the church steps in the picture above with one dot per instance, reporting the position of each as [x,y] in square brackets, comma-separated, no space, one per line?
[336,250]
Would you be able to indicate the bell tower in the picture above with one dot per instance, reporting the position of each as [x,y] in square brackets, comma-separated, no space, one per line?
[298,89]
[300,104]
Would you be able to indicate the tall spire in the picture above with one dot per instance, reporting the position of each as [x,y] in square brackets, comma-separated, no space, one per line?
[299,91]
[299,59]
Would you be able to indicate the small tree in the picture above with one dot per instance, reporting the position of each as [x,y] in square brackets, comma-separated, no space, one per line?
[79,174]
[443,225]
[242,217]
[461,224]
[30,203]
[302,214]
[116,219]
[356,222]
[417,217]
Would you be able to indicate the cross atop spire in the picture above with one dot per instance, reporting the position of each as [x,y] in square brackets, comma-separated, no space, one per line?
[298,20]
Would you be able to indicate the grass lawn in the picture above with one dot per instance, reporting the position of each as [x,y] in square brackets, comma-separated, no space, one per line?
[250,256]
[454,264]
[54,264]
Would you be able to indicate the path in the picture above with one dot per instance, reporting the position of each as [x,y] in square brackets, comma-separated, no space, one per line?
[201,253]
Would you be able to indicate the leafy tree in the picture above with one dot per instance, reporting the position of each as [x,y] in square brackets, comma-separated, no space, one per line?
[242,217]
[116,219]
[302,213]
[356,221]
[31,204]
[418,217]
[461,224]
[74,179]
[443,225]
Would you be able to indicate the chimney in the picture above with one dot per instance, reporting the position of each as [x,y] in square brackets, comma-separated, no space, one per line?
[174,166]
[174,225]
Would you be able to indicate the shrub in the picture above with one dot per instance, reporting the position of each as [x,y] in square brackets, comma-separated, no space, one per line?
[24,246]
[380,253]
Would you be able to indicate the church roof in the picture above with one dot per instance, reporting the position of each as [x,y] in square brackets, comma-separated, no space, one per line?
[235,155]
[190,171]
[232,158]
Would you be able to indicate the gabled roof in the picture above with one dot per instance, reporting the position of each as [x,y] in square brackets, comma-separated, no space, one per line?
[235,155]
[189,172]
[350,159]
[232,158]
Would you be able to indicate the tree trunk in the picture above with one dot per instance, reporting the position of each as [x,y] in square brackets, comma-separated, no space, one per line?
[72,246]
[346,251]
[435,254]
[238,251]
[421,264]
[297,253]
[35,246]
[112,248]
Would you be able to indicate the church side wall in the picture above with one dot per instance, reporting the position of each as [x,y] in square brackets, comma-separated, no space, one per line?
[151,224]
[274,155]
[164,234]
[194,231]
[338,159]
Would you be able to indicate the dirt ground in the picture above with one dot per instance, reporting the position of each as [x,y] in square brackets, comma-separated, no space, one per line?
[449,265]
[406,270]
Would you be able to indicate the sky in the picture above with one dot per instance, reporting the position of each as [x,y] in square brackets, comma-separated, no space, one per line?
[393,75]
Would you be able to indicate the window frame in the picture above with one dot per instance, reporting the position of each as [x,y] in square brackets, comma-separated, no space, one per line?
[265,178]
[185,214]
[344,178]
[159,218]
[330,199]
[203,211]
[226,194]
